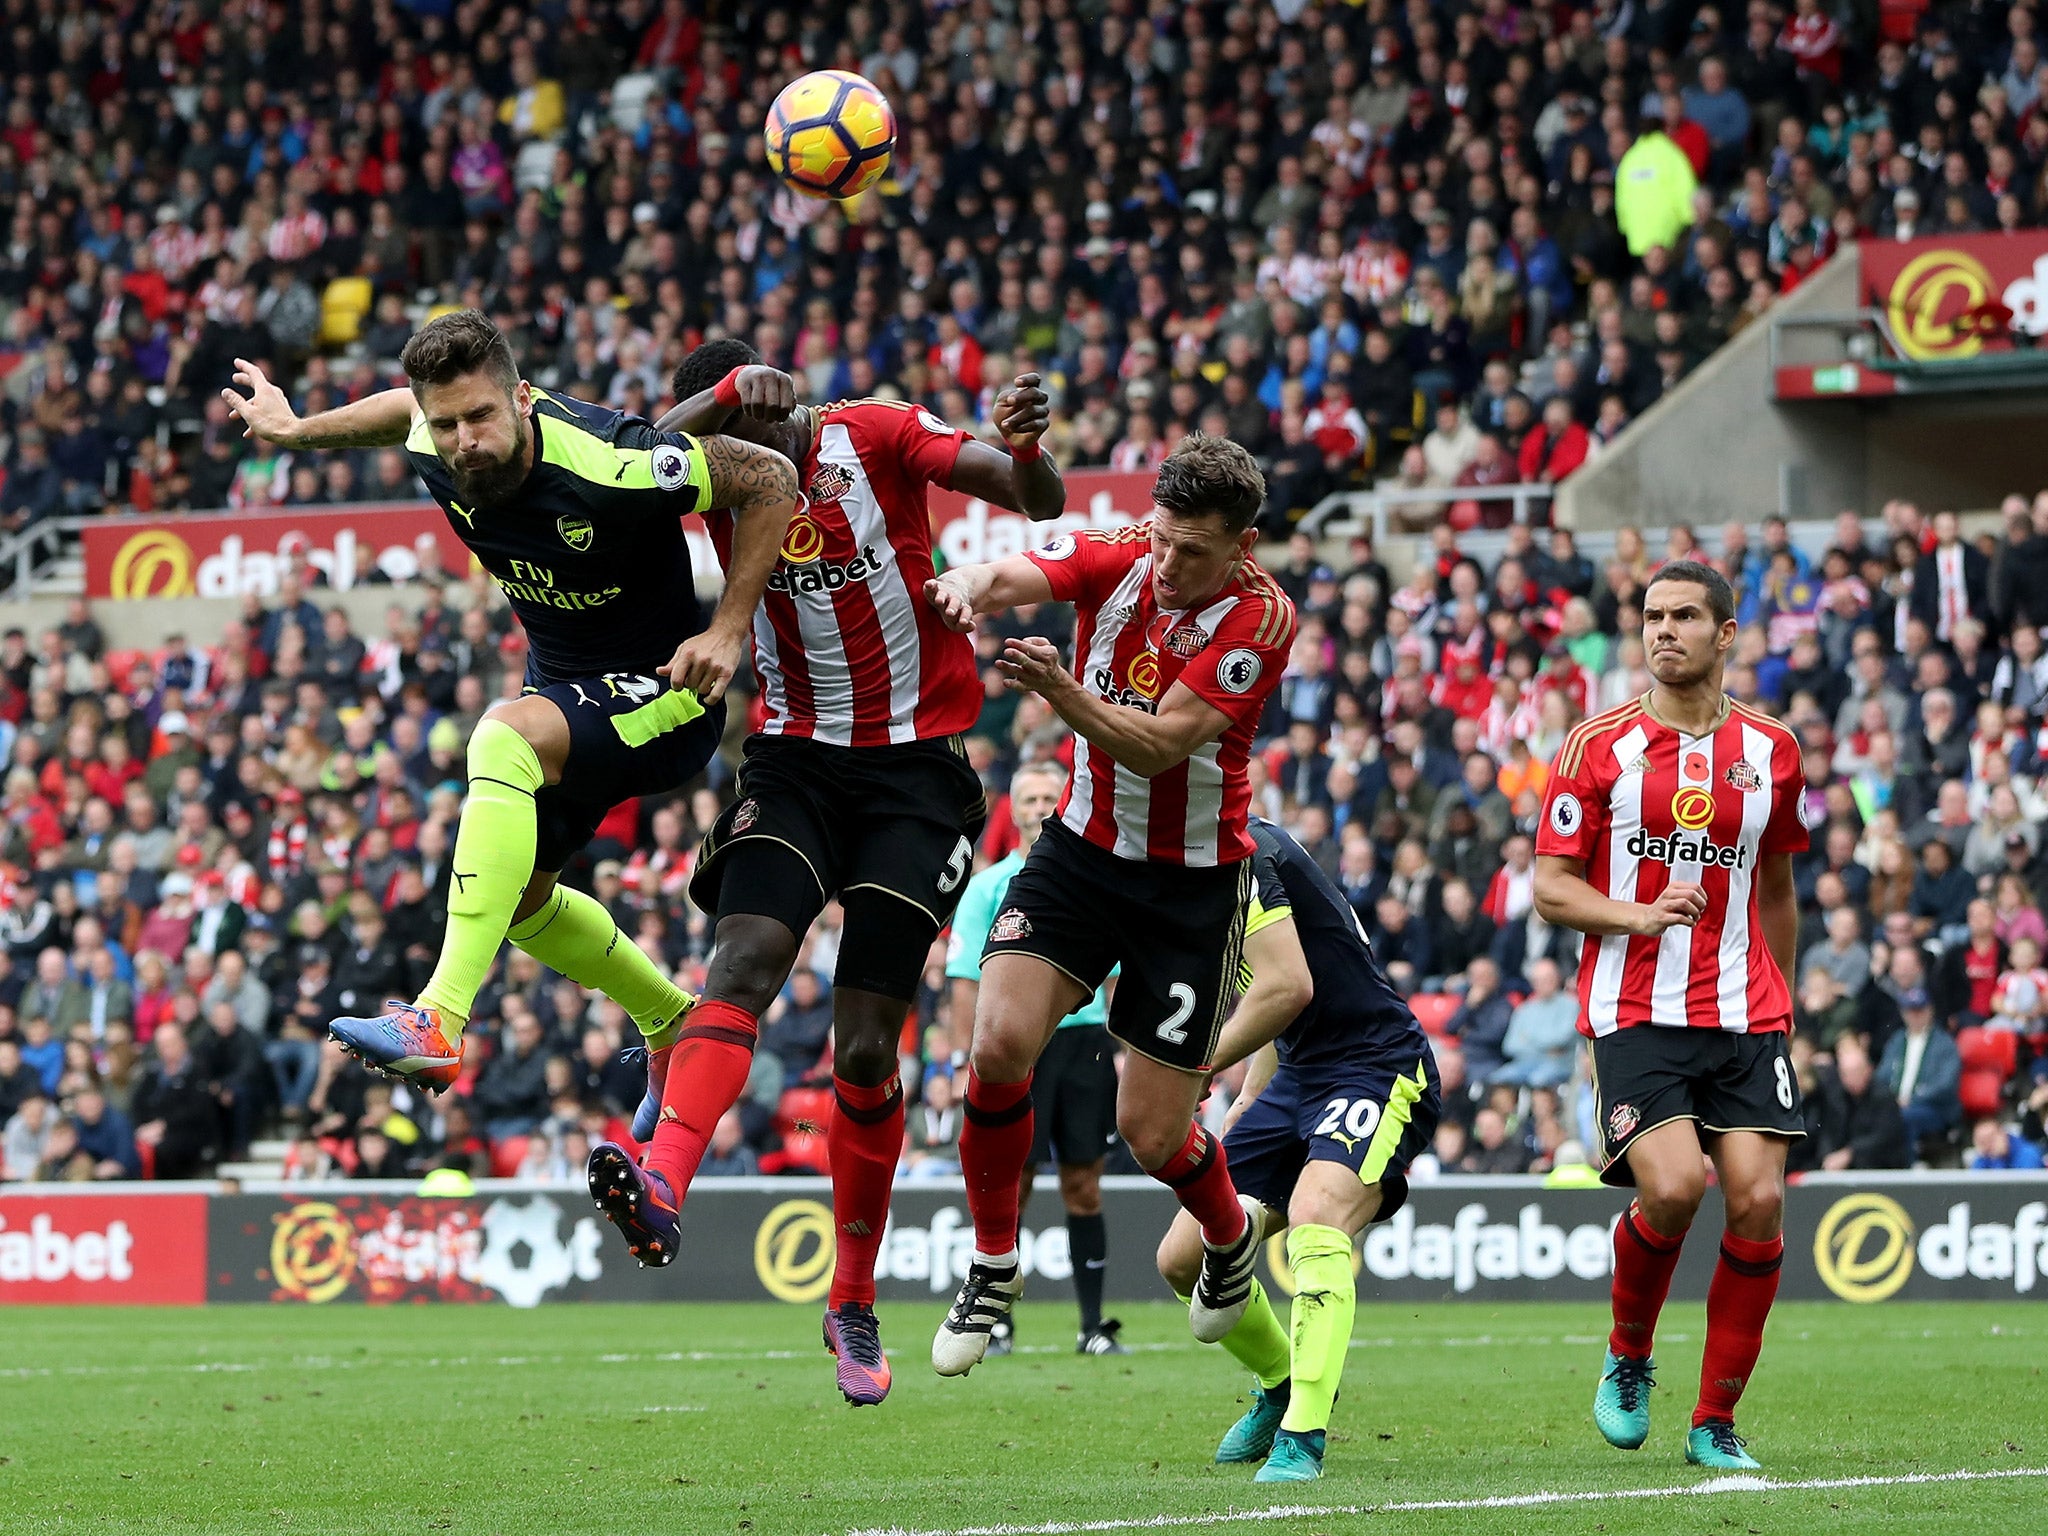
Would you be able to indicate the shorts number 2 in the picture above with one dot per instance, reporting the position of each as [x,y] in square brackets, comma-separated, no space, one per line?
[1175,1030]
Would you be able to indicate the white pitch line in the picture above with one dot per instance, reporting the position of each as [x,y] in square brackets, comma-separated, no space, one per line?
[1716,1485]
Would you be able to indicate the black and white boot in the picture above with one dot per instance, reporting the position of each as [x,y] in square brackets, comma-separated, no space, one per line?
[1224,1288]
[985,1299]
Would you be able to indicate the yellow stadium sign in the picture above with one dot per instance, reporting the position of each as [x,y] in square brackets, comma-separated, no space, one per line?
[1863,1247]
[794,1249]
[313,1252]
[153,564]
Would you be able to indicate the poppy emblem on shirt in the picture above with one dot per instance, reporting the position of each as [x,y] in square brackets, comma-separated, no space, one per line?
[1742,775]
[1695,765]
[1692,808]
[831,482]
[1622,1119]
[804,541]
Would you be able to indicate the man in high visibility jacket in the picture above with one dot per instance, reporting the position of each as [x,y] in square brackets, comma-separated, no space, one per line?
[1653,190]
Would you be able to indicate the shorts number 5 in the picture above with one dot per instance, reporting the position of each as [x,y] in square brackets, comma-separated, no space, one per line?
[956,867]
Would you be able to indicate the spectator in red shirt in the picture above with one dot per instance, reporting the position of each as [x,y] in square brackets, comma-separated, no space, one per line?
[1336,428]
[1686,134]
[1813,39]
[1557,447]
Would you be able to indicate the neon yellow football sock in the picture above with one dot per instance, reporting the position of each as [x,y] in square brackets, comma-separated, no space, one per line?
[572,933]
[1326,1296]
[489,869]
[1258,1342]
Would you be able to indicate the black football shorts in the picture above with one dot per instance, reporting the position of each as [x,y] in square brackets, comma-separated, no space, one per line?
[1177,932]
[1649,1075]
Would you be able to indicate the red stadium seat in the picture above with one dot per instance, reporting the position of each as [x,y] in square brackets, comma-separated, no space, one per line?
[803,1110]
[1982,1093]
[1433,1011]
[1989,1050]
[1898,21]
[507,1153]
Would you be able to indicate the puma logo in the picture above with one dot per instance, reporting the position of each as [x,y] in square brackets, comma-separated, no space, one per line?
[582,697]
[468,518]
[461,881]
[1350,1142]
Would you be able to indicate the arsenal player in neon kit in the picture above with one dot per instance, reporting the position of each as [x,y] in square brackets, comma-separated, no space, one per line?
[1668,832]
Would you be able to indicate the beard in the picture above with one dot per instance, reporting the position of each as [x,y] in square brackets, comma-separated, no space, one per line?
[492,484]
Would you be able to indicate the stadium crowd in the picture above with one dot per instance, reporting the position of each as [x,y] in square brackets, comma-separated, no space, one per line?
[1443,246]
[211,851]
[1437,244]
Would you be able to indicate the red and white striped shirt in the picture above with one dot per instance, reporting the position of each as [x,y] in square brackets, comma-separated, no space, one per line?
[1644,805]
[1129,651]
[846,648]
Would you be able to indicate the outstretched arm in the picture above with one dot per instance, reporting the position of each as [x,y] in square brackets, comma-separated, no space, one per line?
[1142,740]
[381,420]
[966,592]
[759,486]
[1024,479]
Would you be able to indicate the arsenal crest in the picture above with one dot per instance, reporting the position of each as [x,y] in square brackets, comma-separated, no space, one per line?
[831,482]
[1621,1120]
[1742,775]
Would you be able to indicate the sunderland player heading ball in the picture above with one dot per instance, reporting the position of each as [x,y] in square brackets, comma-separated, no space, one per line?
[856,788]
[576,511]
[1181,637]
[1667,838]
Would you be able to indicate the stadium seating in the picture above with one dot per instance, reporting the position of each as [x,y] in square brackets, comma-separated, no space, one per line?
[1433,1011]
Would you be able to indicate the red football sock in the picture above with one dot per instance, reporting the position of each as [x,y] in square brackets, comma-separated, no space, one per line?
[705,1077]
[1739,1299]
[1643,1261]
[863,1143]
[995,1144]
[1200,1179]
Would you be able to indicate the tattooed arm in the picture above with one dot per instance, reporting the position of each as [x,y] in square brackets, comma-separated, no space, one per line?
[381,420]
[759,486]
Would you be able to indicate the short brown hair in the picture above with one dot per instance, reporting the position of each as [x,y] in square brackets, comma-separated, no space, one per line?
[465,342]
[1211,476]
[1720,596]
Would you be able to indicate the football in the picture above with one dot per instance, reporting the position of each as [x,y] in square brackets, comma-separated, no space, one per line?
[829,134]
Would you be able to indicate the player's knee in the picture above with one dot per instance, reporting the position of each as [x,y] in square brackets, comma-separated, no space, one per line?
[1755,1207]
[862,1054]
[750,963]
[1002,1051]
[1081,1189]
[1670,1197]
[1151,1140]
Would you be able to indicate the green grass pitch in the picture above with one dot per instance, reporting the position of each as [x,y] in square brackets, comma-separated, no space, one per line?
[724,1419]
